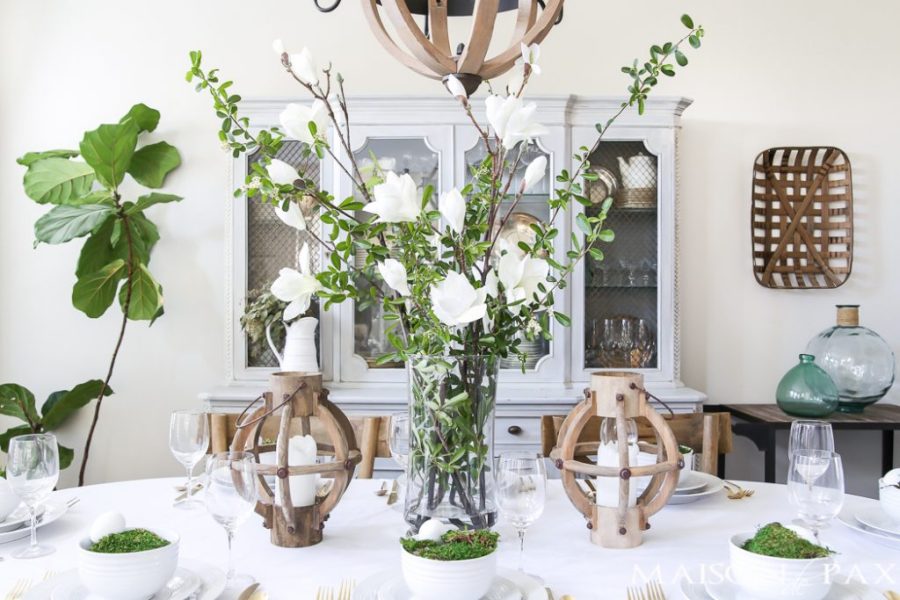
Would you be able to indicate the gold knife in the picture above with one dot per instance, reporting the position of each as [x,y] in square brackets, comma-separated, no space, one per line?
[246,594]
[392,497]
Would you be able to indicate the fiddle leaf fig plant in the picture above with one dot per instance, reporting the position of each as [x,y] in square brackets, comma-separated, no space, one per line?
[82,189]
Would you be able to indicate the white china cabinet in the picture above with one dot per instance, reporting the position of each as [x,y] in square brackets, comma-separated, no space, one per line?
[624,309]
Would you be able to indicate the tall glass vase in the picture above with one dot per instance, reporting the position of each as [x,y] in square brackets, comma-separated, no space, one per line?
[451,443]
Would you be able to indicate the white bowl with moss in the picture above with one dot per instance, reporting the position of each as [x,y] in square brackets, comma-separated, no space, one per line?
[780,563]
[129,565]
[461,565]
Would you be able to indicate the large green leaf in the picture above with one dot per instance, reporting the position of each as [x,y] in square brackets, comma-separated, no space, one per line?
[97,250]
[145,202]
[144,117]
[151,164]
[66,456]
[61,405]
[109,149]
[11,433]
[146,296]
[57,180]
[144,234]
[93,293]
[17,401]
[101,196]
[30,158]
[64,223]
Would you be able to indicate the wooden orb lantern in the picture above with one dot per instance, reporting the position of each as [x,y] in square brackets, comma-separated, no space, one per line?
[619,396]
[429,52]
[299,400]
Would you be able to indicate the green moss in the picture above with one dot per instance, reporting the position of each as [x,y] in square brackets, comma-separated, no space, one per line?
[778,541]
[132,540]
[454,545]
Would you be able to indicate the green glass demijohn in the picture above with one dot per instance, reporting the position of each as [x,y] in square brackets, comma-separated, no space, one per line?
[807,390]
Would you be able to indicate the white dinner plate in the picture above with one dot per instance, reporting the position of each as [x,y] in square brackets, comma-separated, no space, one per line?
[19,518]
[52,509]
[509,585]
[181,586]
[203,581]
[848,518]
[691,586]
[875,518]
[725,589]
[712,485]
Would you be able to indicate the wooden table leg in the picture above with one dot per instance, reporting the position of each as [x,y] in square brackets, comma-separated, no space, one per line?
[887,450]
[721,472]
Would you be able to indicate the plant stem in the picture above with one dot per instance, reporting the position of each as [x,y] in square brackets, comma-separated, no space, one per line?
[521,532]
[112,363]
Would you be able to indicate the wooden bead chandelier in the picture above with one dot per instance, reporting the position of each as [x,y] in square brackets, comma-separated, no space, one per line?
[427,50]
[302,405]
[618,396]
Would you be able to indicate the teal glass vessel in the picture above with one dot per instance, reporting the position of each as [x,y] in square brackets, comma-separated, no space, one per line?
[807,390]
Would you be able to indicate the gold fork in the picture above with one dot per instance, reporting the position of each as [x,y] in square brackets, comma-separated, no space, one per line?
[655,591]
[345,592]
[18,590]
[737,493]
[635,594]
[324,593]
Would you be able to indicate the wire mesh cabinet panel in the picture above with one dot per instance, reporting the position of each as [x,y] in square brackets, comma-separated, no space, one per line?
[624,306]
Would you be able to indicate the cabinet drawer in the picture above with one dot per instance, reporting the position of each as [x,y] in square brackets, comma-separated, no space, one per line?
[517,431]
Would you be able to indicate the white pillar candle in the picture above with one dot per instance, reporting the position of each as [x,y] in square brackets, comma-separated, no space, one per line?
[302,452]
[608,487]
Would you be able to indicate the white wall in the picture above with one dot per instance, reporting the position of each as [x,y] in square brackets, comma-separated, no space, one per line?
[770,73]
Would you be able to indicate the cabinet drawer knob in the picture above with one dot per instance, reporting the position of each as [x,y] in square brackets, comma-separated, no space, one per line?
[514,430]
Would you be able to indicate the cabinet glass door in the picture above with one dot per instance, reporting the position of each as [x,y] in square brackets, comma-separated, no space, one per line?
[400,155]
[621,297]
[531,208]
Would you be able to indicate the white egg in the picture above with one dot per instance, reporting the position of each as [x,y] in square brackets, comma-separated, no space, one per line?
[433,529]
[892,477]
[105,524]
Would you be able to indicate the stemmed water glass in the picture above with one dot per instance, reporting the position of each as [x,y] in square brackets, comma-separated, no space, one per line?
[816,487]
[188,441]
[811,435]
[399,438]
[230,496]
[521,491]
[32,470]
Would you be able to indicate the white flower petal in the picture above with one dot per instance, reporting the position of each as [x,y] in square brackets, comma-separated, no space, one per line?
[278,46]
[282,173]
[295,120]
[452,207]
[511,268]
[303,260]
[396,199]
[394,274]
[456,87]
[296,308]
[534,173]
[304,67]
[292,217]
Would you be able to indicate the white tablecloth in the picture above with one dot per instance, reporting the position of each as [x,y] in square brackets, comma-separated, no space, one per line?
[361,539]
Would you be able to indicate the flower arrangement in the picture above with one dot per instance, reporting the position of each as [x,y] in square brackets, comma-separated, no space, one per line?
[456,294]
[778,541]
[453,545]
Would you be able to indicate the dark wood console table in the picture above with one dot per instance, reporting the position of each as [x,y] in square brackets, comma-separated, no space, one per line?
[760,422]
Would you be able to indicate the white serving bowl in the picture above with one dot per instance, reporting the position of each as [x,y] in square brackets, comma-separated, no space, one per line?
[131,576]
[430,579]
[890,500]
[768,578]
[8,499]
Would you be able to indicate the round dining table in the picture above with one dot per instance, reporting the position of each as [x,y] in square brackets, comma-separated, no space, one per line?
[361,540]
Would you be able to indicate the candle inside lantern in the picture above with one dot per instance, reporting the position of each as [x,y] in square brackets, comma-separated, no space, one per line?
[302,452]
[608,456]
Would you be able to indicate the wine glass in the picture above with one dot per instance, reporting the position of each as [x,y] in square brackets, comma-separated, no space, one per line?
[32,470]
[811,435]
[816,487]
[399,438]
[521,491]
[230,497]
[188,441]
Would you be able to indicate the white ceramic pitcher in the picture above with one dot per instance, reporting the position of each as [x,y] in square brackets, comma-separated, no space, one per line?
[639,171]
[299,346]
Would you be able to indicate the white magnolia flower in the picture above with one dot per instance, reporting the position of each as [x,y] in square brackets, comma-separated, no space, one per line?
[453,208]
[278,46]
[282,173]
[296,287]
[491,283]
[295,119]
[456,302]
[396,200]
[304,67]
[534,173]
[512,120]
[394,274]
[456,87]
[521,276]
[292,217]
[530,56]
